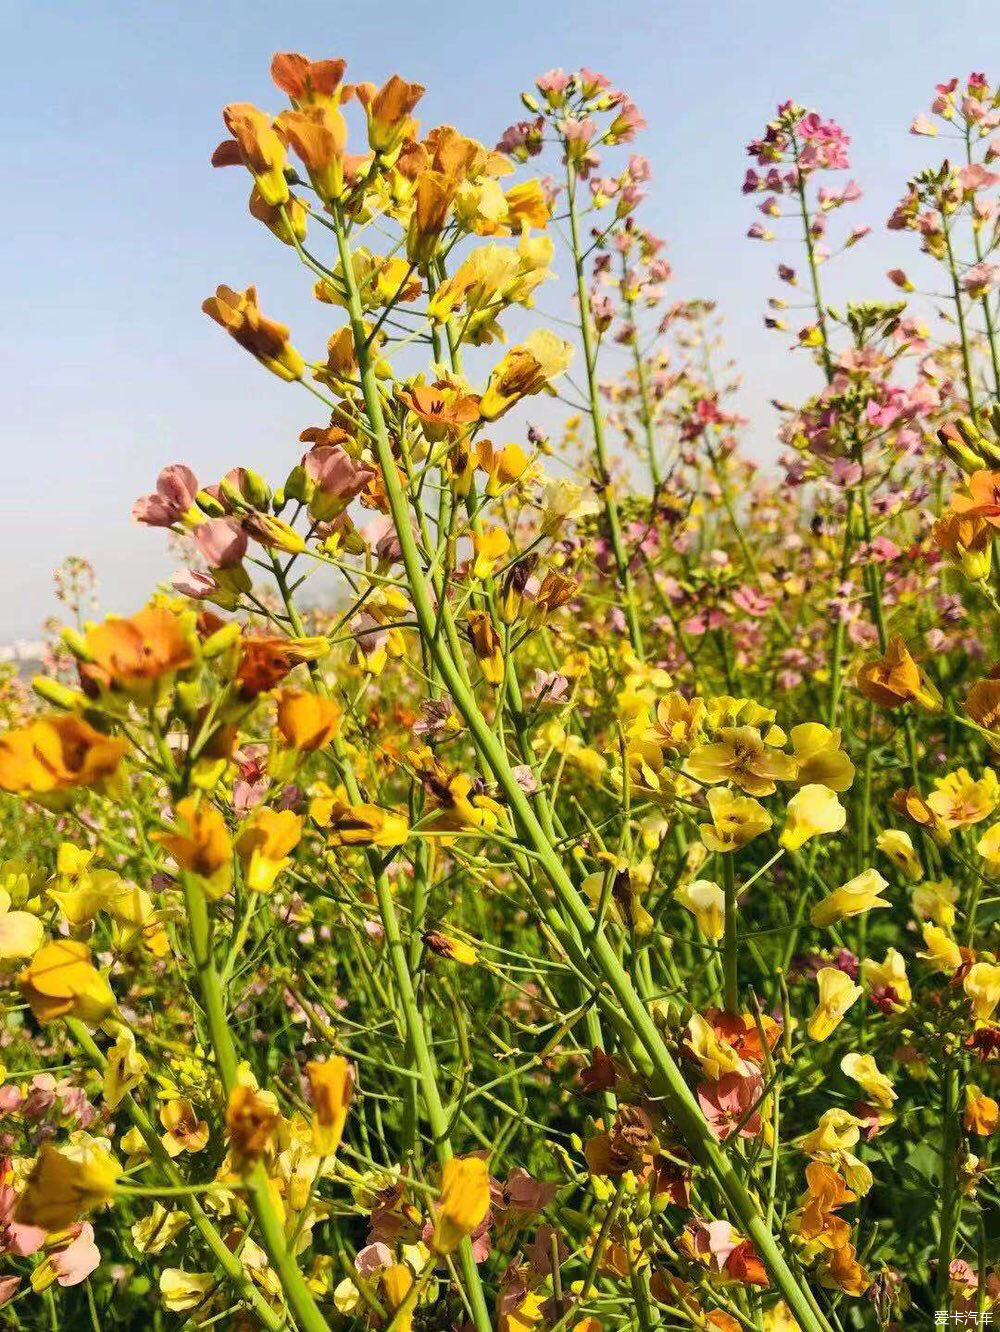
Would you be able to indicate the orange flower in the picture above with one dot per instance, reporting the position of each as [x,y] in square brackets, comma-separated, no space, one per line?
[239,314]
[486,646]
[132,654]
[54,754]
[257,146]
[967,538]
[310,82]
[744,1265]
[982,703]
[981,1112]
[201,845]
[895,679]
[264,662]
[60,981]
[388,109]
[983,498]
[251,1120]
[307,721]
[826,1192]
[443,411]
[319,137]
[842,1271]
[331,1083]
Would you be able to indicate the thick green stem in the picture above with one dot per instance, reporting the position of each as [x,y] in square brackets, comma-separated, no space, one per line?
[586,945]
[951,1200]
[282,1259]
[227,1260]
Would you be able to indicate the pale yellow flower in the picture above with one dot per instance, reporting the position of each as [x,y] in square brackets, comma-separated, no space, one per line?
[837,992]
[858,895]
[812,811]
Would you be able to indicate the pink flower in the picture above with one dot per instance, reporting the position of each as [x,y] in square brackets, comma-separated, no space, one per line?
[335,472]
[980,279]
[714,1238]
[626,123]
[221,541]
[372,1259]
[8,1288]
[924,125]
[176,487]
[590,83]
[976,177]
[724,1103]
[524,1193]
[80,1257]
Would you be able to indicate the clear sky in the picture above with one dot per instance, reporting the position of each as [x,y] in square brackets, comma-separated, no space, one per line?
[115,227]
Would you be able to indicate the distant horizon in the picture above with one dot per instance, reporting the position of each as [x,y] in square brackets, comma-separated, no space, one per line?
[112,371]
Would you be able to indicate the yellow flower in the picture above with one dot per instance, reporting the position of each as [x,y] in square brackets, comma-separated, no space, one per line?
[739,755]
[837,992]
[837,1131]
[307,721]
[184,1131]
[819,758]
[67,1184]
[201,845]
[982,985]
[259,147]
[181,1291]
[898,846]
[464,1201]
[453,949]
[525,370]
[125,1069]
[153,1233]
[21,933]
[736,820]
[863,1069]
[988,846]
[359,825]
[707,903]
[60,981]
[958,800]
[851,899]
[889,975]
[398,1281]
[712,1051]
[936,902]
[490,545]
[812,811]
[331,1083]
[265,844]
[943,952]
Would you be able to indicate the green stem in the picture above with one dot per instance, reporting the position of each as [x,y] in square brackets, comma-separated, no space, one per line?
[272,1233]
[226,1259]
[597,418]
[571,920]
[730,942]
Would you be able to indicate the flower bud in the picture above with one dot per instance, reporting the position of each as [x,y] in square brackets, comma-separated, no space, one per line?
[58,694]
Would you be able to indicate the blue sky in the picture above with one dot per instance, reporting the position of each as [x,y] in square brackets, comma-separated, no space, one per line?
[116,227]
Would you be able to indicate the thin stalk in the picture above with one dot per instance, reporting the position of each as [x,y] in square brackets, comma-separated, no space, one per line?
[597,419]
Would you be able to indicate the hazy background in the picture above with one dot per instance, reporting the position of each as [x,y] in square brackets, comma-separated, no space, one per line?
[115,226]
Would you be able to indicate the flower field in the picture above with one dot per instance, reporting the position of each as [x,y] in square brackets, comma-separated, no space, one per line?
[534,868]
